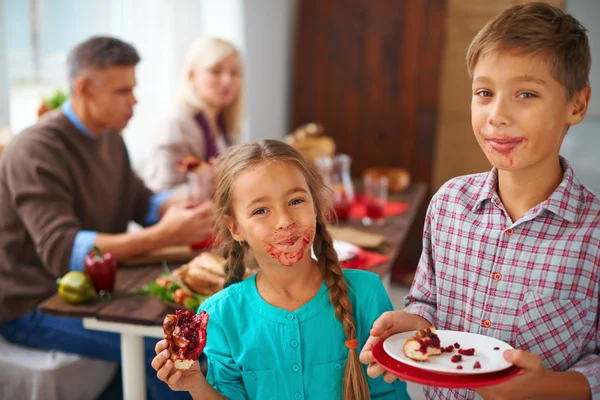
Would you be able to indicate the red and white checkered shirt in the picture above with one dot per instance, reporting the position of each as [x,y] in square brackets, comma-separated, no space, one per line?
[532,283]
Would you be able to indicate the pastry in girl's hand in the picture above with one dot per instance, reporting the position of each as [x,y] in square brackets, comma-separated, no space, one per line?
[185,332]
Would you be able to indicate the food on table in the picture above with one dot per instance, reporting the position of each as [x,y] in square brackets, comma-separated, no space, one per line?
[76,288]
[185,332]
[171,291]
[205,274]
[398,178]
[456,358]
[190,284]
[102,270]
[310,141]
[423,344]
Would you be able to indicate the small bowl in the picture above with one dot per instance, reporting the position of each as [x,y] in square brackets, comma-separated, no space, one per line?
[399,178]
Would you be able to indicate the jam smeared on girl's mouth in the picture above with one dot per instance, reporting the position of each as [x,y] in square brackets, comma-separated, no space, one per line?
[299,240]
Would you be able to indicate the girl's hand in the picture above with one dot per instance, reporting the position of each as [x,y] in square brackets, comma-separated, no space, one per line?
[180,380]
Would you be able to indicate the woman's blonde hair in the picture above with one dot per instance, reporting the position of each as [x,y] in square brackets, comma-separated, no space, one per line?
[204,53]
[249,156]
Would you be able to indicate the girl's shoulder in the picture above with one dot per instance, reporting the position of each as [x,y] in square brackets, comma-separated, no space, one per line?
[359,279]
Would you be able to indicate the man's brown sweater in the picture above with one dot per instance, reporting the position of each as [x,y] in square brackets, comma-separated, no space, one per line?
[54,182]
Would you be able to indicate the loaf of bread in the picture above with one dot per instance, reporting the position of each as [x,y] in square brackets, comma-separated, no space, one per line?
[310,140]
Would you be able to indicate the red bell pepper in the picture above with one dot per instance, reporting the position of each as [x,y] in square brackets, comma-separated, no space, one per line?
[102,270]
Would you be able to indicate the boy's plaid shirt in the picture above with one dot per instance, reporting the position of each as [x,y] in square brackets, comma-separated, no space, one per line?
[533,283]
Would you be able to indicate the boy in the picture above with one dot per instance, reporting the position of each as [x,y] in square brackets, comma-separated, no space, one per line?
[514,254]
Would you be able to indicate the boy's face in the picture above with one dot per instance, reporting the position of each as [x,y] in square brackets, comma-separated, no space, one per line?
[519,112]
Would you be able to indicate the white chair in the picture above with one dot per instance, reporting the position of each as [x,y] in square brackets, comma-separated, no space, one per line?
[31,374]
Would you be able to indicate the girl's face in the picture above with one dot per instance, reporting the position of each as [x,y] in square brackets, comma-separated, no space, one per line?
[274,213]
[219,85]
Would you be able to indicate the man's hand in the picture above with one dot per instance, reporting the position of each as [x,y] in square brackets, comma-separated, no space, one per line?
[186,223]
[388,324]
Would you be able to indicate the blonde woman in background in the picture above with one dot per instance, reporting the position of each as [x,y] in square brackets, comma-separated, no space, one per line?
[207,118]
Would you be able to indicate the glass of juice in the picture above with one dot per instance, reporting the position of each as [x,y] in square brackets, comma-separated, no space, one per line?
[376,197]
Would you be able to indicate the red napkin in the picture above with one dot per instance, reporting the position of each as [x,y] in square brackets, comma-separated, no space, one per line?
[358,209]
[364,260]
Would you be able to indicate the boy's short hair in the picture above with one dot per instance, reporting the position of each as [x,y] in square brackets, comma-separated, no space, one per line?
[539,29]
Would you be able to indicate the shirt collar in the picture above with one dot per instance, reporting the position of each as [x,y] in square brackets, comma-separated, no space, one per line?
[67,109]
[565,201]
[487,189]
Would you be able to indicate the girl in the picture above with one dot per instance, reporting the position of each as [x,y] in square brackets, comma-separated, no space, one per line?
[293,329]
[208,113]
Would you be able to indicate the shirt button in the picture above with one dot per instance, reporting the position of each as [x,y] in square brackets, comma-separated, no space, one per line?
[509,232]
[295,368]
[298,395]
[294,343]
[497,276]
[337,367]
[487,323]
[290,317]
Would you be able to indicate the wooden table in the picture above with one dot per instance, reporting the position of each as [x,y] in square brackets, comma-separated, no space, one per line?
[137,316]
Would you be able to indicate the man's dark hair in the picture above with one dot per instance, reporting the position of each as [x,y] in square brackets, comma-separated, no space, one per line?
[100,52]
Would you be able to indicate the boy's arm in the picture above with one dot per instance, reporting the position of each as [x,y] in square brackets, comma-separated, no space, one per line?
[421,299]
[589,367]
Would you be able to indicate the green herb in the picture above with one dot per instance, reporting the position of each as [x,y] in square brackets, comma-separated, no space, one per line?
[167,293]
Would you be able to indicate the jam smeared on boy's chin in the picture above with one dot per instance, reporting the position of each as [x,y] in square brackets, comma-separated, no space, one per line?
[289,248]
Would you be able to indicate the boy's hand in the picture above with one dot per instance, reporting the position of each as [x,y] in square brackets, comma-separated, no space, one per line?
[390,323]
[525,384]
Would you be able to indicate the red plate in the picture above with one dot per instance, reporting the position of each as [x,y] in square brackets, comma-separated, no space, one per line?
[428,378]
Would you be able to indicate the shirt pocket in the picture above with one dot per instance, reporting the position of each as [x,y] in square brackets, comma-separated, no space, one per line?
[326,380]
[552,328]
[261,384]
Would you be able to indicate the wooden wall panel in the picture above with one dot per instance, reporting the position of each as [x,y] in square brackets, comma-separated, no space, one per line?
[368,70]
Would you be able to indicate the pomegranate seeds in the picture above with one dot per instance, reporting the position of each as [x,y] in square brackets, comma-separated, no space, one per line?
[456,345]
[456,358]
[476,365]
[448,349]
[459,367]
[466,352]
[496,348]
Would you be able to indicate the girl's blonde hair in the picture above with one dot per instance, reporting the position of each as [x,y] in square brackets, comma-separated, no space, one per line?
[244,157]
[204,53]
